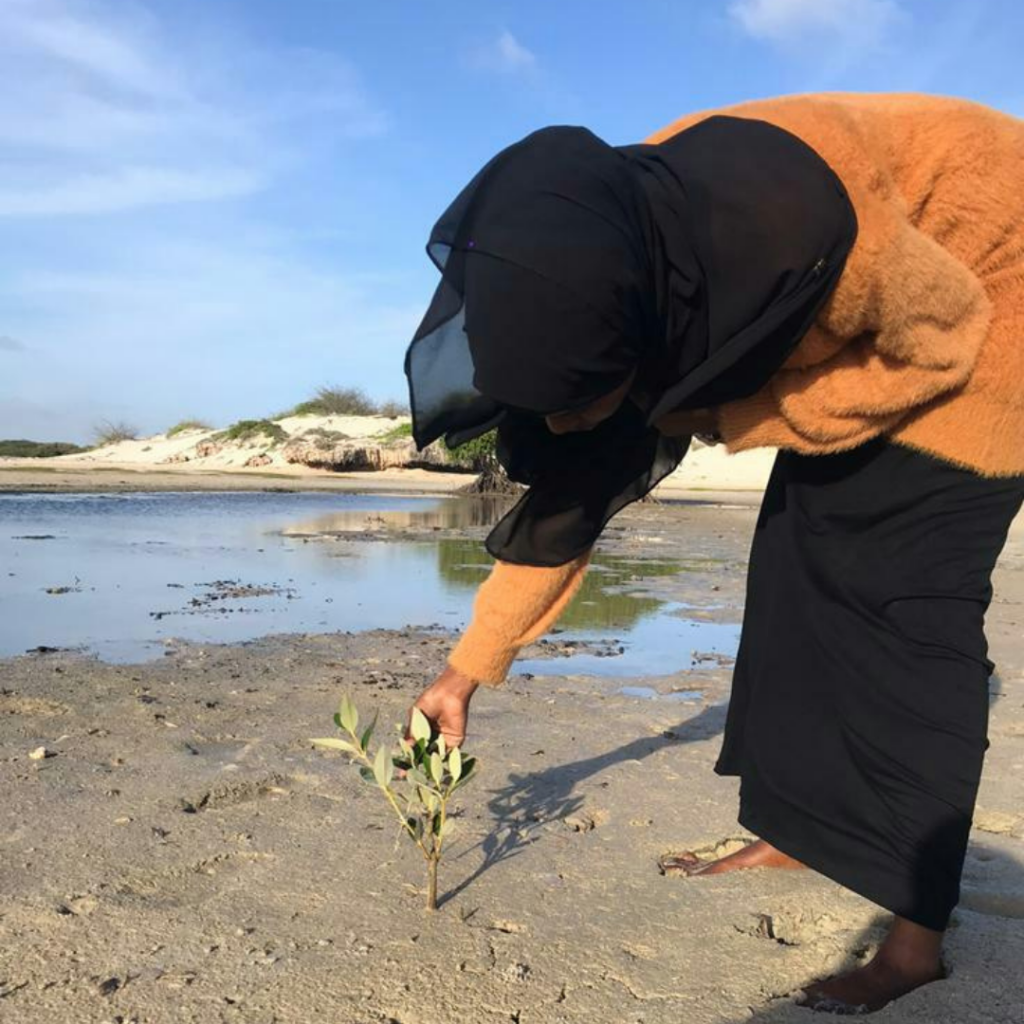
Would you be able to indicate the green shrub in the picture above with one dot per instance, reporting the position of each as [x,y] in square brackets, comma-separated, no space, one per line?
[245,430]
[108,432]
[180,428]
[22,449]
[335,401]
[328,435]
[399,433]
[479,454]
[392,409]
[324,439]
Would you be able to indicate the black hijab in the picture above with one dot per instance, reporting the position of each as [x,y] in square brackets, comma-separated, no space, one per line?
[566,264]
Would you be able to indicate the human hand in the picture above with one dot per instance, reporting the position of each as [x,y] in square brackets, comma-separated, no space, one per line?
[699,423]
[445,702]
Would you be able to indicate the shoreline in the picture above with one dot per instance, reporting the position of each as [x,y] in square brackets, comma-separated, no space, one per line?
[707,475]
[119,479]
[400,483]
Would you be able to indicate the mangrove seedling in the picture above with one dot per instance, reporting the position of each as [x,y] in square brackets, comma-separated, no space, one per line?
[417,779]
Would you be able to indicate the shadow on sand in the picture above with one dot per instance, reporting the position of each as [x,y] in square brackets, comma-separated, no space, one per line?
[527,802]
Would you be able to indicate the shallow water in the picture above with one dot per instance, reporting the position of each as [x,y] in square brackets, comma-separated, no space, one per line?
[125,576]
[672,696]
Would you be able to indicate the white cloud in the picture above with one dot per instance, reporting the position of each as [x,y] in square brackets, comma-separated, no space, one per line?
[505,55]
[222,327]
[214,306]
[109,113]
[788,21]
[126,188]
[72,40]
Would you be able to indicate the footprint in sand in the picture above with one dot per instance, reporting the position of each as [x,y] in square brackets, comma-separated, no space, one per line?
[586,821]
[709,852]
[807,927]
[993,904]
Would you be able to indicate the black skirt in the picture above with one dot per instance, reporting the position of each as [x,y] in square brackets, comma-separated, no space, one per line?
[860,699]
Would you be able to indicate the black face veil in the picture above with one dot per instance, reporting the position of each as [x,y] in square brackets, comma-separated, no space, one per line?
[567,264]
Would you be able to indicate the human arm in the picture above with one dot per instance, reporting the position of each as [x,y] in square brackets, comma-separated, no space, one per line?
[515,605]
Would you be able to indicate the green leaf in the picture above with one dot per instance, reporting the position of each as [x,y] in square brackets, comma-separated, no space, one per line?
[436,767]
[442,747]
[419,726]
[348,714]
[330,743]
[337,720]
[382,767]
[455,764]
[468,772]
[367,775]
[365,741]
[406,747]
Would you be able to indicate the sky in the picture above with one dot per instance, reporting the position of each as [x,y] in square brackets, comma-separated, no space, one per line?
[210,208]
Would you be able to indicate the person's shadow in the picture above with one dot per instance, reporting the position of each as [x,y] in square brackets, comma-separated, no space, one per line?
[526,803]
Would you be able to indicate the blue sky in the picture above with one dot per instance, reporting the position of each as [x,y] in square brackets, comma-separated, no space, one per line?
[210,207]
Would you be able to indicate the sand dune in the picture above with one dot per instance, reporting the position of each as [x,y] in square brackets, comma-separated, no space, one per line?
[194,456]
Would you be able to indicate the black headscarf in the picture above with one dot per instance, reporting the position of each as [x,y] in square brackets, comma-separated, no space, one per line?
[567,264]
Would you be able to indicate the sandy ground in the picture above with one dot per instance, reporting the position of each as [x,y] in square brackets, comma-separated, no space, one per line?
[186,856]
[15,475]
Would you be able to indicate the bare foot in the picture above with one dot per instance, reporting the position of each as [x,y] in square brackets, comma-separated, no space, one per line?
[757,854]
[868,988]
[908,959]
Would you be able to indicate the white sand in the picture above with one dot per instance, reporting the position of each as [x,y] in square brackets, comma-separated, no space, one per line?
[178,458]
[157,451]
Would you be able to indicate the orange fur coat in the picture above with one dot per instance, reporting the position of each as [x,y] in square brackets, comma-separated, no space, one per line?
[922,339]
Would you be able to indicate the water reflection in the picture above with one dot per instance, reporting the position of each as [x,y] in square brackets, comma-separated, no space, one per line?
[124,576]
[673,696]
[458,513]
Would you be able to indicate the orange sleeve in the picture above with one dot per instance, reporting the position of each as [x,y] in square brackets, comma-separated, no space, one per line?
[515,605]
[903,328]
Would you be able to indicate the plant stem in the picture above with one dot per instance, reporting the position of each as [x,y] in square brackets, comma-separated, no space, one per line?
[439,839]
[432,883]
[390,798]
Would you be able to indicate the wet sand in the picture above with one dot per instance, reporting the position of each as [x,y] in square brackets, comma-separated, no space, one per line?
[187,856]
[20,475]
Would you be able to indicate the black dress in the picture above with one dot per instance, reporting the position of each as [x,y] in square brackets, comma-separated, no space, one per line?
[860,700]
